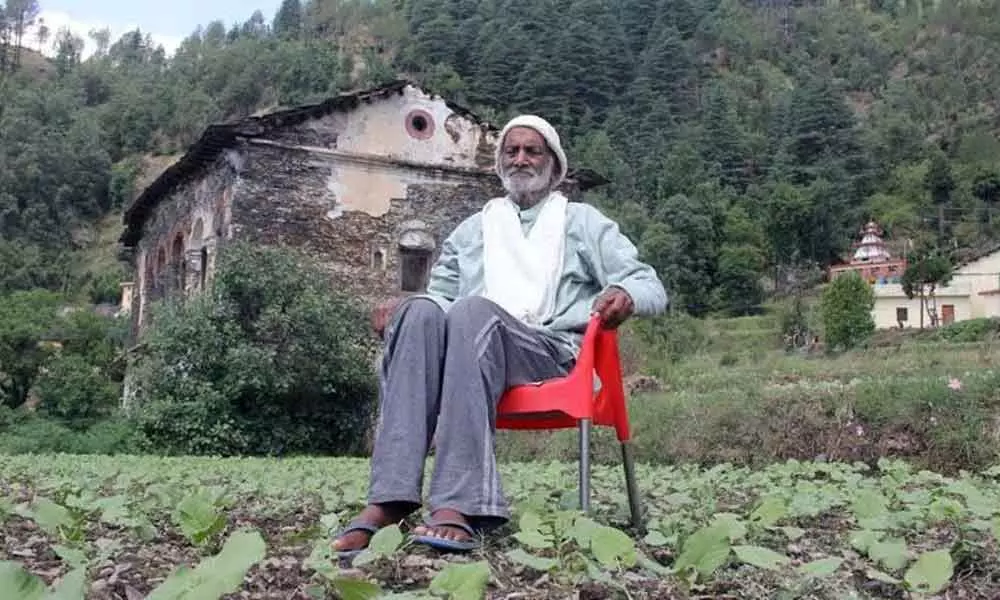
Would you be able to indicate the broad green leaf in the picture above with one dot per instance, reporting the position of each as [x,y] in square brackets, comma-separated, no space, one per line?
[462,582]
[51,517]
[114,510]
[216,575]
[655,539]
[538,563]
[72,586]
[330,522]
[734,526]
[979,504]
[386,540]
[530,521]
[823,567]
[74,557]
[19,584]
[864,539]
[996,530]
[869,504]
[651,565]
[567,524]
[931,572]
[6,508]
[534,539]
[612,547]
[880,576]
[879,523]
[383,544]
[803,504]
[770,511]
[582,531]
[198,517]
[597,574]
[944,509]
[890,553]
[705,550]
[321,560]
[761,557]
[356,589]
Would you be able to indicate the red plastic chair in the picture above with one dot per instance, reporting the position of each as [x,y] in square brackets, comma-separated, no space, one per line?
[570,401]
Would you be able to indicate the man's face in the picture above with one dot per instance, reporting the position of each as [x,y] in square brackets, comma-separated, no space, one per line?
[526,163]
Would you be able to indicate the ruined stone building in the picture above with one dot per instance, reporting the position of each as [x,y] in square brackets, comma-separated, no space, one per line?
[369,183]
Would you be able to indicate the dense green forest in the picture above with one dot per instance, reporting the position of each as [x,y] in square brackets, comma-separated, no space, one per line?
[746,140]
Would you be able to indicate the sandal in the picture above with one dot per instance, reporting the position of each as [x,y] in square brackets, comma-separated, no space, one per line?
[447,545]
[355,526]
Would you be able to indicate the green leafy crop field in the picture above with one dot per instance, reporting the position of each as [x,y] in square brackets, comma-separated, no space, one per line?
[198,528]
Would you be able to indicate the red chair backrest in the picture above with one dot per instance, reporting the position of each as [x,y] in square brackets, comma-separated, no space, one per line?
[561,402]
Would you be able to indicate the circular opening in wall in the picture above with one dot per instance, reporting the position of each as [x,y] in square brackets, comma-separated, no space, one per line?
[419,124]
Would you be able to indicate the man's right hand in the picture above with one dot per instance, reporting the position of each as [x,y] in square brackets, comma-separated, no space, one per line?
[383,312]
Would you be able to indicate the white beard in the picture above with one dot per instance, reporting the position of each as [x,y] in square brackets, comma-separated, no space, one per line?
[518,184]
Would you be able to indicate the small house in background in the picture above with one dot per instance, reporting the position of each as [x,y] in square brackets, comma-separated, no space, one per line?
[972,293]
[974,290]
[369,183]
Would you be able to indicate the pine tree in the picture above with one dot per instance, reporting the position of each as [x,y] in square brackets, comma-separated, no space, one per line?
[637,18]
[592,56]
[723,146]
[820,128]
[288,20]
[664,88]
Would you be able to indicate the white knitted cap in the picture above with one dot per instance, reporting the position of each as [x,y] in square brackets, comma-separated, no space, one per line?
[546,130]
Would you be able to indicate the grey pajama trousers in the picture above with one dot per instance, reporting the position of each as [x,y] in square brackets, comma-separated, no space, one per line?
[445,373]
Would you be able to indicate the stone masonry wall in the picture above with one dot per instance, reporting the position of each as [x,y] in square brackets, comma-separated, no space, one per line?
[287,197]
[180,238]
[300,198]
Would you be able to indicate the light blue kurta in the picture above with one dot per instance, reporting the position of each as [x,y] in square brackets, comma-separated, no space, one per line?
[597,256]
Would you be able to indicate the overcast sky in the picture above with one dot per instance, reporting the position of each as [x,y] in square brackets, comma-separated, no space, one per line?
[168,21]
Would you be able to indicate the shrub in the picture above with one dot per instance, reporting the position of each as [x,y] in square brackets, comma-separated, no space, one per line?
[35,434]
[271,361]
[846,311]
[75,391]
[672,337]
[972,330]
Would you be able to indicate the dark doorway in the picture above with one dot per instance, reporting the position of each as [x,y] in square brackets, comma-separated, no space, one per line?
[414,267]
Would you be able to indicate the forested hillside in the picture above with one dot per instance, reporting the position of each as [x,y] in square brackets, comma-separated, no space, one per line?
[746,139]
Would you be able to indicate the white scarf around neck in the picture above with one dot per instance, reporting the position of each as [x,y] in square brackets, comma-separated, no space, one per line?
[522,272]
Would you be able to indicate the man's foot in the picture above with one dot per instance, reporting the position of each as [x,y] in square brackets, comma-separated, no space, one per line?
[356,536]
[447,529]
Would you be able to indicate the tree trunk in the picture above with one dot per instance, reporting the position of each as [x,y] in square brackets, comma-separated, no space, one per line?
[932,307]
[922,305]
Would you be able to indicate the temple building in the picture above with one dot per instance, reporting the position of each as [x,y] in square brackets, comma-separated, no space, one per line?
[872,259]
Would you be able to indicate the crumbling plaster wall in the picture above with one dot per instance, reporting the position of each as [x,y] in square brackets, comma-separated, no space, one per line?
[411,126]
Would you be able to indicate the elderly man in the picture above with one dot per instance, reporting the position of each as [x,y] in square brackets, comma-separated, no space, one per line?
[507,302]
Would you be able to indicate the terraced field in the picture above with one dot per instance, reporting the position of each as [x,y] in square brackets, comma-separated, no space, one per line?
[197,528]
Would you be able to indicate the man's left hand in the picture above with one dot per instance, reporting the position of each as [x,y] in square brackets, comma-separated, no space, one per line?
[614,306]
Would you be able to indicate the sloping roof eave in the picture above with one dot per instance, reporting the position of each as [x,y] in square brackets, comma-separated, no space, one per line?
[218,137]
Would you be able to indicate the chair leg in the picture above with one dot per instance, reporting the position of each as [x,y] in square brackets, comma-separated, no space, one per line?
[630,485]
[585,465]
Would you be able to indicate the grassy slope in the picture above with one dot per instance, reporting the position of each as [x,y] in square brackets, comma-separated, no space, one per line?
[743,401]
